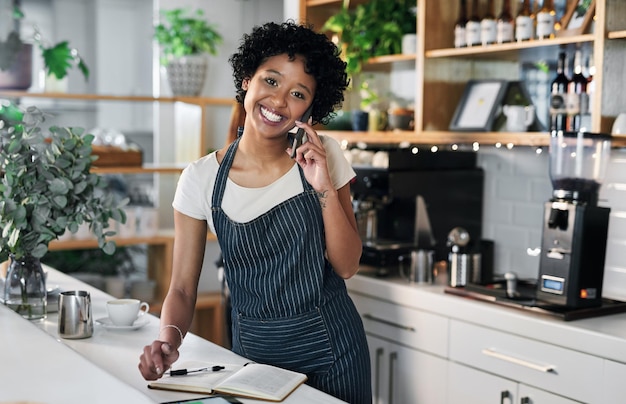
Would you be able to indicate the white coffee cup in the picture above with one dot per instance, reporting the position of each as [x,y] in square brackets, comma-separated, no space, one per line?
[124,312]
[619,126]
[518,117]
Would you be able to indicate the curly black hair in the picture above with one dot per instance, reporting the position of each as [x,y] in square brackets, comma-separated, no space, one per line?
[321,56]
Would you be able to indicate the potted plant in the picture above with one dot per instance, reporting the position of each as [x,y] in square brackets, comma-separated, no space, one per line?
[47,188]
[58,59]
[371,29]
[16,56]
[369,98]
[186,39]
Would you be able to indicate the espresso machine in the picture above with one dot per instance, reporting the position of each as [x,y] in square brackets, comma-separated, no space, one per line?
[414,202]
[573,246]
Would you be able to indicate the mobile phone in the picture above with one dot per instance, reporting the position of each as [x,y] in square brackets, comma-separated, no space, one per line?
[297,138]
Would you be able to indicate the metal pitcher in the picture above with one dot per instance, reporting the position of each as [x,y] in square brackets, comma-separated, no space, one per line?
[419,268]
[75,319]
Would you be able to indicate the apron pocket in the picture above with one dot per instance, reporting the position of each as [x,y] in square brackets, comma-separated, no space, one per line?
[299,343]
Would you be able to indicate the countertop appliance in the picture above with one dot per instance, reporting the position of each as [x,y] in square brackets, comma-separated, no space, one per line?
[571,267]
[447,182]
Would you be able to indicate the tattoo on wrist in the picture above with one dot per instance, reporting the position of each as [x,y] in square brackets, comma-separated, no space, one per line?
[322,198]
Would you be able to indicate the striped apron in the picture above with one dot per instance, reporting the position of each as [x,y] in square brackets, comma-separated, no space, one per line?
[289,308]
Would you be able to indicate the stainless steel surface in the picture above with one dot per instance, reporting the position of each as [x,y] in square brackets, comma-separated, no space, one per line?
[458,236]
[75,319]
[417,266]
[463,268]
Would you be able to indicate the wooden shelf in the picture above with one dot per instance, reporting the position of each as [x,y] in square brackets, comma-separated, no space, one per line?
[163,236]
[201,101]
[506,51]
[617,34]
[430,138]
[316,3]
[143,169]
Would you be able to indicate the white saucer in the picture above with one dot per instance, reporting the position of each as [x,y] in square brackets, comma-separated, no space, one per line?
[108,324]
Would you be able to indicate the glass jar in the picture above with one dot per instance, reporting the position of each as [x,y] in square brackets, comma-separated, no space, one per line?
[25,288]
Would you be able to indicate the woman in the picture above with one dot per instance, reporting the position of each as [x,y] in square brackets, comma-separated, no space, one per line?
[285,226]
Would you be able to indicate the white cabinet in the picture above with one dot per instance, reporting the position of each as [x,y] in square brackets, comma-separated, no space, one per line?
[405,375]
[547,367]
[614,387]
[471,386]
[530,395]
[430,347]
[404,345]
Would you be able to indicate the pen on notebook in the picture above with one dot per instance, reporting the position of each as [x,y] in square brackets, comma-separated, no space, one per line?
[183,372]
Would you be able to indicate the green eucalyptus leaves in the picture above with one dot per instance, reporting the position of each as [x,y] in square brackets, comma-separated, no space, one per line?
[46,185]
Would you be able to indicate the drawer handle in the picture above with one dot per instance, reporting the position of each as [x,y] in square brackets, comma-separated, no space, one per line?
[518,361]
[387,322]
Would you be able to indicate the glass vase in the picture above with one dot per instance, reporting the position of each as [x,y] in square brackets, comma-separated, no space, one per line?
[25,288]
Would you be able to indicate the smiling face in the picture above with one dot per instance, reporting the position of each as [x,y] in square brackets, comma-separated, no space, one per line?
[277,95]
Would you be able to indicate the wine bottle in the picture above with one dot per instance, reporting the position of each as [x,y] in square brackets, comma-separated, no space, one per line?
[524,25]
[488,26]
[591,89]
[504,23]
[460,34]
[545,20]
[472,28]
[577,101]
[558,94]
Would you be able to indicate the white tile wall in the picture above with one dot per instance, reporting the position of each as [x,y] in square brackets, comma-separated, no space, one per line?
[517,184]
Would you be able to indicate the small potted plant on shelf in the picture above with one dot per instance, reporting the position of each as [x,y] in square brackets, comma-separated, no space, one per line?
[186,39]
[58,59]
[16,56]
[47,189]
[367,117]
[371,29]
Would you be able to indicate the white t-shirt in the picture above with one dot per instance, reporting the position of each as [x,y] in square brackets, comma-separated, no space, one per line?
[195,188]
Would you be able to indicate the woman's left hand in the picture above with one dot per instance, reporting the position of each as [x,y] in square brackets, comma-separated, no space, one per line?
[311,156]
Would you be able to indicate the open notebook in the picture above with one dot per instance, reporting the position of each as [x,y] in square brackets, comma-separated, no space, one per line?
[253,380]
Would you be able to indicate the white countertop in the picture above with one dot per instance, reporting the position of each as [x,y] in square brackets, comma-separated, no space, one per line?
[604,336]
[39,366]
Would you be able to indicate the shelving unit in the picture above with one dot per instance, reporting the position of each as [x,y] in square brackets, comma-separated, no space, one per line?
[202,102]
[208,319]
[443,71]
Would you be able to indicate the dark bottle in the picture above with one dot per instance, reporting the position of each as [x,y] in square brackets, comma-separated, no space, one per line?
[591,89]
[558,94]
[472,28]
[504,23]
[524,24]
[577,98]
[488,26]
[460,34]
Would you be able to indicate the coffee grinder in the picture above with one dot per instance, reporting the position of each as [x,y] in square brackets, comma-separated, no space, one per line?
[571,267]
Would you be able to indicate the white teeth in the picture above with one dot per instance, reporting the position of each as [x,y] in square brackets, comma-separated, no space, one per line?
[270,116]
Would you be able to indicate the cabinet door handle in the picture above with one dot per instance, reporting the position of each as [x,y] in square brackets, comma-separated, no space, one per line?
[387,322]
[524,400]
[379,354]
[508,358]
[392,361]
[504,395]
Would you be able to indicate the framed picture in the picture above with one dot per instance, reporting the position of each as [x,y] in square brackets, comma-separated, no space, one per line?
[577,17]
[478,106]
